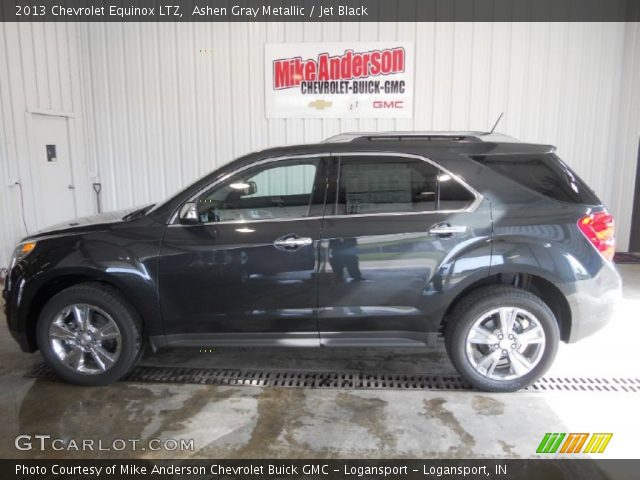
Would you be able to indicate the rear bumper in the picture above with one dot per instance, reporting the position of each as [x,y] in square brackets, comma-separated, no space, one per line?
[593,301]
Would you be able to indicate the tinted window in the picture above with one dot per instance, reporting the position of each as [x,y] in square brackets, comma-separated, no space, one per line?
[277,190]
[543,173]
[395,184]
[453,195]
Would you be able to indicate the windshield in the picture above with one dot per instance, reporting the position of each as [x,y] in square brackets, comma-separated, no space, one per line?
[168,198]
[138,212]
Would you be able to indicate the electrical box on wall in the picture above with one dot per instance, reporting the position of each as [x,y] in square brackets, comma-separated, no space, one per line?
[52,156]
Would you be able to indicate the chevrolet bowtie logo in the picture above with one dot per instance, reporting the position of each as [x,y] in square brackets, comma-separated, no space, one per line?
[320,104]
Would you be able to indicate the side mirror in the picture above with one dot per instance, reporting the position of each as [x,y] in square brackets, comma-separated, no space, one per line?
[189,214]
[252,188]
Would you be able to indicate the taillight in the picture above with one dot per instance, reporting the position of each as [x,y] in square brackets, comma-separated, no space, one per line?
[599,229]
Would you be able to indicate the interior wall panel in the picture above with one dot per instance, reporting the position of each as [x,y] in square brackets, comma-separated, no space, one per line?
[40,67]
[557,83]
[622,157]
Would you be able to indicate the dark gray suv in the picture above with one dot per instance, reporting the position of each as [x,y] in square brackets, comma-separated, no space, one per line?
[385,239]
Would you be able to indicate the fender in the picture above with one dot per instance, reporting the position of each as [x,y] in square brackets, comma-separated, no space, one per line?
[99,256]
[468,263]
[548,259]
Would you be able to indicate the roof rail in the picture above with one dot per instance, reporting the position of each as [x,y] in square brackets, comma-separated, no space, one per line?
[424,136]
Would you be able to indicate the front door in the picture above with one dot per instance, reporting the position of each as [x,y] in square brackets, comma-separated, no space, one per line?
[247,272]
[400,234]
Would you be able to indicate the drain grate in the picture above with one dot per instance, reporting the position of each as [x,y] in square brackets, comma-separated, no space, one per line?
[346,379]
[586,384]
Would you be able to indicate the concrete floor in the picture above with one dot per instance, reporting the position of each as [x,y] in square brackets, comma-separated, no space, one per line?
[254,422]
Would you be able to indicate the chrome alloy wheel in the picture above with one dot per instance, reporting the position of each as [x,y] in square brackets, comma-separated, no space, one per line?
[85,339]
[505,343]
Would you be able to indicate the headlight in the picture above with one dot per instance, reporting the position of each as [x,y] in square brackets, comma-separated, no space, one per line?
[21,251]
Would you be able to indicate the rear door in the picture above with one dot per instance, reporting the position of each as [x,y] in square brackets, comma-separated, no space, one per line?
[398,235]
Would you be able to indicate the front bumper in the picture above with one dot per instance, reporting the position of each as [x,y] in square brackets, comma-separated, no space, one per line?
[14,310]
[593,301]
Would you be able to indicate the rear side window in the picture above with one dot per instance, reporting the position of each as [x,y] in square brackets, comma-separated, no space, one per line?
[543,173]
[394,184]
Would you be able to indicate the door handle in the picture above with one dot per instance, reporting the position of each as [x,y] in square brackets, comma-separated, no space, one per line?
[445,230]
[292,242]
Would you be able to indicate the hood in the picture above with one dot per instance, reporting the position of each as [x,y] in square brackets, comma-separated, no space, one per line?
[92,222]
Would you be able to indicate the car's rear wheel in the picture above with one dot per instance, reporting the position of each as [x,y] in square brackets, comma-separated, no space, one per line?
[89,334]
[502,338]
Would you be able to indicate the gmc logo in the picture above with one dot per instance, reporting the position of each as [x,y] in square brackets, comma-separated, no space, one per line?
[388,104]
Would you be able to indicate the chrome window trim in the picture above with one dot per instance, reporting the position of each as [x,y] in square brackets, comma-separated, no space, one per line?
[472,207]
[247,222]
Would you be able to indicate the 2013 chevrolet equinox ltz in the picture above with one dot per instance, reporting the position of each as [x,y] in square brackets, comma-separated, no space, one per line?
[364,240]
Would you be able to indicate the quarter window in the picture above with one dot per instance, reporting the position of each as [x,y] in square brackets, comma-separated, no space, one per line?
[274,191]
[396,184]
[545,174]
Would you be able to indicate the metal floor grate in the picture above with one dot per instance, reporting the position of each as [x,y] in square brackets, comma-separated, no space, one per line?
[346,379]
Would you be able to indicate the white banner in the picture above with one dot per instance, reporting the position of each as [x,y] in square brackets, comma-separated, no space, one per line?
[339,80]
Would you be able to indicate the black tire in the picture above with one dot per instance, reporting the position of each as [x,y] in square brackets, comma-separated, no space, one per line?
[447,336]
[108,300]
[482,301]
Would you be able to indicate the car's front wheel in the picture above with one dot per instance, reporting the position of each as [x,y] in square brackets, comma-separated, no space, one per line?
[502,338]
[89,334]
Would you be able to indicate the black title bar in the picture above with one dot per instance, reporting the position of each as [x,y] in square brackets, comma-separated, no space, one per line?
[319,10]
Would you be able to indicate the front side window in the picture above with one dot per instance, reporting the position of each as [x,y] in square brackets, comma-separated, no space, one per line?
[282,189]
[396,184]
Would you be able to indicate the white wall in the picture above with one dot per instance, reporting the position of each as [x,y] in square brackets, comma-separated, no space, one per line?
[40,71]
[169,102]
[624,161]
[174,101]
